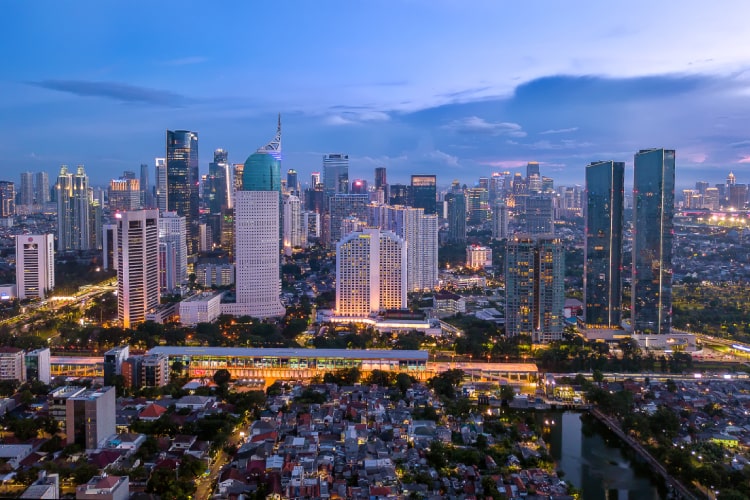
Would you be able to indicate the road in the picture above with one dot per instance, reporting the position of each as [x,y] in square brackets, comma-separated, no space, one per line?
[204,484]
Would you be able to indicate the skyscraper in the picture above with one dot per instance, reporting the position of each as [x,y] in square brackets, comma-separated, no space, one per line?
[500,219]
[160,190]
[423,193]
[602,281]
[124,194]
[342,206]
[335,173]
[535,288]
[370,273]
[26,190]
[478,205]
[456,200]
[292,237]
[539,215]
[380,178]
[35,265]
[220,182]
[532,168]
[292,183]
[257,210]
[183,181]
[147,195]
[7,199]
[73,206]
[137,265]
[172,235]
[41,189]
[653,210]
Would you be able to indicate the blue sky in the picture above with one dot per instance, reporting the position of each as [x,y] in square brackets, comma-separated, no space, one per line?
[456,88]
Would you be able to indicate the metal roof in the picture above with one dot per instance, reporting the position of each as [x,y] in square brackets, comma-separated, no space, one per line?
[289,353]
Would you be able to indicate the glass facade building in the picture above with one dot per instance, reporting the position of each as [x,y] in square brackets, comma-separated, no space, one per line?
[183,181]
[335,173]
[603,250]
[653,210]
[424,193]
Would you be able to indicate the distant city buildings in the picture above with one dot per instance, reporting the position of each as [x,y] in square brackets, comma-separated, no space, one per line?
[7,199]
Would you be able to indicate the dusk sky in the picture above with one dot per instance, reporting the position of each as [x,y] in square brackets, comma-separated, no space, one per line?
[456,88]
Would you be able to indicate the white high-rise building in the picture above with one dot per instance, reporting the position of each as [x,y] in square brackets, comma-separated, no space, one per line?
[256,215]
[500,221]
[161,183]
[370,273]
[137,265]
[35,265]
[292,223]
[420,232]
[172,233]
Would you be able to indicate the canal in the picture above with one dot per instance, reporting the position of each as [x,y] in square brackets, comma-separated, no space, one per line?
[596,462]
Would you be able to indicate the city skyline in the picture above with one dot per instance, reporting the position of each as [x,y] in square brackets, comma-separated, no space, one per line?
[503,99]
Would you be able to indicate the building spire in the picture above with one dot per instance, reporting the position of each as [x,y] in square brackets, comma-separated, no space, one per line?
[274,146]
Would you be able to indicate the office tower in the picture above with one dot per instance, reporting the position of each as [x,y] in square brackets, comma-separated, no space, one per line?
[292,183]
[535,288]
[359,186]
[484,183]
[653,210]
[172,233]
[314,180]
[183,181]
[420,234]
[73,204]
[257,255]
[124,194]
[147,193]
[262,170]
[292,232]
[109,246]
[548,184]
[380,178]
[335,173]
[7,199]
[160,189]
[688,197]
[38,365]
[534,184]
[478,257]
[95,225]
[113,361]
[500,219]
[477,205]
[342,206]
[602,280]
[90,418]
[227,232]
[310,227]
[35,265]
[220,183]
[370,273]
[532,168]
[711,199]
[315,199]
[137,265]
[701,186]
[738,196]
[12,364]
[41,189]
[423,193]
[456,200]
[539,215]
[26,193]
[399,194]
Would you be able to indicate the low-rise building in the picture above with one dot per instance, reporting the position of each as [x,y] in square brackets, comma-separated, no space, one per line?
[201,308]
[104,487]
[12,364]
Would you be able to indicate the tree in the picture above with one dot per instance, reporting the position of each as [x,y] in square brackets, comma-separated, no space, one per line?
[222,377]
[445,383]
[598,377]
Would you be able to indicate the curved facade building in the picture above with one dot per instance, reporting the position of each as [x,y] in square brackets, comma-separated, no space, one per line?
[262,170]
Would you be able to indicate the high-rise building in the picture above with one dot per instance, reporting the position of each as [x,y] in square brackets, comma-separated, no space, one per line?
[335,173]
[380,178]
[183,181]
[124,194]
[38,365]
[292,237]
[535,288]
[500,219]
[35,265]
[477,205]
[137,265]
[420,234]
[262,170]
[653,211]
[73,206]
[539,215]
[90,418]
[292,183]
[314,180]
[602,280]
[342,206]
[109,246]
[532,168]
[172,233]
[160,189]
[738,196]
[227,232]
[423,193]
[7,199]
[12,364]
[370,273]
[399,194]
[26,192]
[310,227]
[701,186]
[359,186]
[220,183]
[147,193]
[257,255]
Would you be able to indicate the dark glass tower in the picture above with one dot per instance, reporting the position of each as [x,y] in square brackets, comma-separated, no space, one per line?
[183,180]
[336,173]
[424,193]
[219,181]
[602,279]
[456,216]
[653,210]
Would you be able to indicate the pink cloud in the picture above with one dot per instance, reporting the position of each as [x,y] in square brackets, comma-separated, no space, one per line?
[744,159]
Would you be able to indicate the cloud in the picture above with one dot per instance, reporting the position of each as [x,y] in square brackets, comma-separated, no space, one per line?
[476,125]
[564,144]
[505,164]
[357,117]
[112,90]
[745,159]
[559,131]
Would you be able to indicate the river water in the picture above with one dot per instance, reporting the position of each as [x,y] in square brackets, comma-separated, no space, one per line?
[593,462]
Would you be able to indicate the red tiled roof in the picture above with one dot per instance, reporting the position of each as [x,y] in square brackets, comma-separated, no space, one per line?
[152,411]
